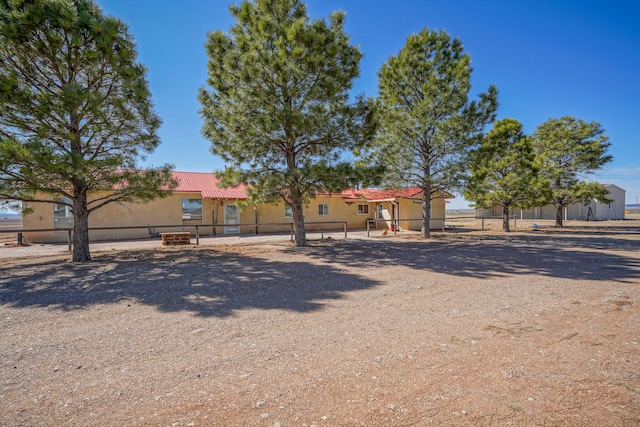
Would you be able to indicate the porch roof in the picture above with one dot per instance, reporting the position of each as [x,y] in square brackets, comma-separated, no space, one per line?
[393,199]
[376,195]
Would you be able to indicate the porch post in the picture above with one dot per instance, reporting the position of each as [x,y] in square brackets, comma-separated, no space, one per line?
[214,210]
[255,209]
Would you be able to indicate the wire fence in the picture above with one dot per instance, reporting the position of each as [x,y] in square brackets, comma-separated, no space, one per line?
[633,210]
[196,230]
[11,232]
[454,223]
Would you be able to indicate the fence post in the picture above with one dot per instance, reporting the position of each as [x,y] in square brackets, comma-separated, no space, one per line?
[291,231]
[69,238]
[482,223]
[345,229]
[515,223]
[443,225]
[368,227]
[197,236]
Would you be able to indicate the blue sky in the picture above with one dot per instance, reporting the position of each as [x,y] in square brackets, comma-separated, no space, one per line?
[547,58]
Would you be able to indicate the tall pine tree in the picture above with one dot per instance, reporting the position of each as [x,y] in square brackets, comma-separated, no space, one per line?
[571,151]
[277,105]
[75,111]
[504,171]
[428,123]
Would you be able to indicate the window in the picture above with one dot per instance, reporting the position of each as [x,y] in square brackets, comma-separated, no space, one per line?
[380,212]
[323,209]
[62,214]
[288,214]
[192,209]
[363,209]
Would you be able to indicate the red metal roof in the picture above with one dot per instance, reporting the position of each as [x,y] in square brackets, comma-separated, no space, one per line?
[206,184]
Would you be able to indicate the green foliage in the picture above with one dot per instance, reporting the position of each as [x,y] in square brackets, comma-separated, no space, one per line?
[504,171]
[277,104]
[428,123]
[570,150]
[75,110]
[586,192]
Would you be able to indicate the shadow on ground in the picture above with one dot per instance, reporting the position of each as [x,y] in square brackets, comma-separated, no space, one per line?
[209,282]
[487,256]
[205,282]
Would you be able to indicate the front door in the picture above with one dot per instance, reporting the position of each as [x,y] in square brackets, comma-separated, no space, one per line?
[231,218]
[384,213]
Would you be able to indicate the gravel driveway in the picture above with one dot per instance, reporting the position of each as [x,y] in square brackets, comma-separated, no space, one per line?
[466,329]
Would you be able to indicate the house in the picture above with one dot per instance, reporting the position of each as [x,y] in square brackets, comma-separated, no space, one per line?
[594,211]
[403,207]
[199,200]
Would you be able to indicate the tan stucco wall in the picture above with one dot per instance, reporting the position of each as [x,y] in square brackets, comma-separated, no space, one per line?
[338,210]
[41,217]
[168,211]
[411,210]
[408,212]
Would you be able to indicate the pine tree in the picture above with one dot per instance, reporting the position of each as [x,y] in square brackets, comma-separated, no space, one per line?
[277,105]
[75,111]
[428,124]
[571,150]
[504,171]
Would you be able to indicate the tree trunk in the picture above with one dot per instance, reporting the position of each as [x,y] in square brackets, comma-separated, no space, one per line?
[80,251]
[425,230]
[505,219]
[559,215]
[298,220]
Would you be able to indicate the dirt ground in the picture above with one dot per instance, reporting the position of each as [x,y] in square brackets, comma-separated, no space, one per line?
[469,328]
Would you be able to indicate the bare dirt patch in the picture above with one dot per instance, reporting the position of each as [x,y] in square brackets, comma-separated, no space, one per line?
[531,328]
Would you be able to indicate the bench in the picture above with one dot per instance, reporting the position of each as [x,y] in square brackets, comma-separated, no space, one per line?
[176,238]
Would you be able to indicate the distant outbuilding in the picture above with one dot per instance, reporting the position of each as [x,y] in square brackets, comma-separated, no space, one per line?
[594,211]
